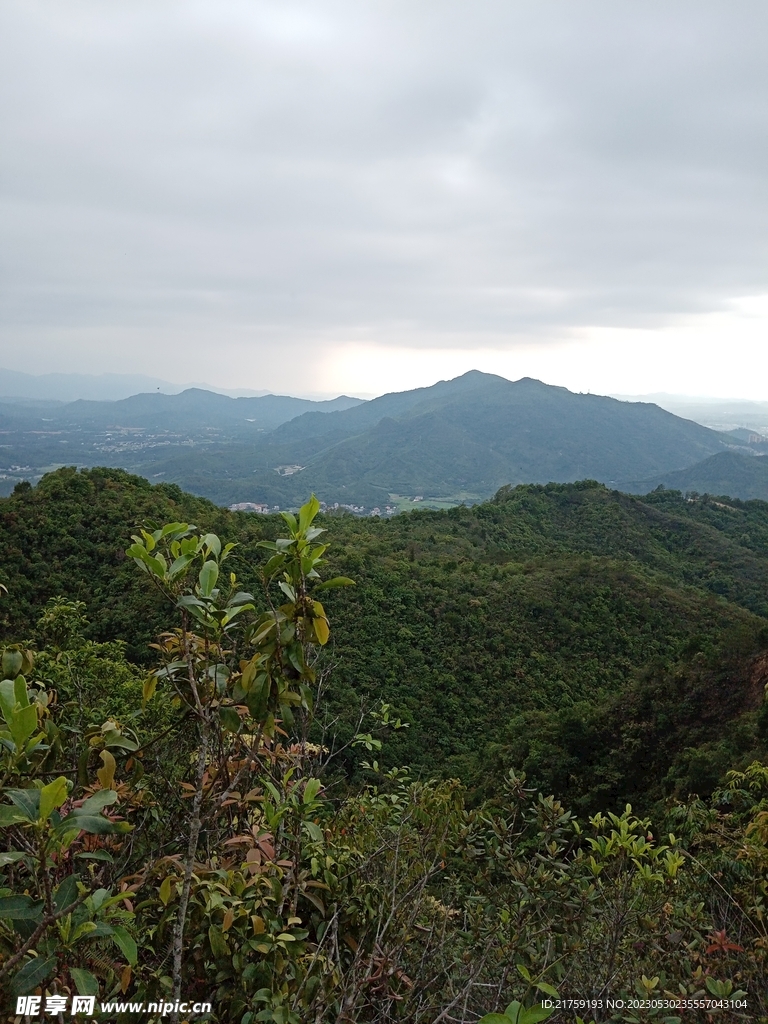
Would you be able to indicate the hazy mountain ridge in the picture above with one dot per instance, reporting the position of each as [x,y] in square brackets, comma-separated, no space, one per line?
[197,407]
[102,387]
[458,440]
[139,431]
[468,437]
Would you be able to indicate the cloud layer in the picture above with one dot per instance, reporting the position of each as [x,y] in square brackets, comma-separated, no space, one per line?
[253,182]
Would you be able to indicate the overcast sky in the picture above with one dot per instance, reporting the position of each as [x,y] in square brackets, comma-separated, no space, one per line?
[364,196]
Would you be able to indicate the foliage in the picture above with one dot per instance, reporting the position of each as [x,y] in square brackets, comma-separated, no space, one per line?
[58,912]
[282,895]
[566,630]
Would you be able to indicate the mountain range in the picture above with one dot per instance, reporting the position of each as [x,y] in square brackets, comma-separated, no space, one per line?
[457,441]
[196,408]
[102,387]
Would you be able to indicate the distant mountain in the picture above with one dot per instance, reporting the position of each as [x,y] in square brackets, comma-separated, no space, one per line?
[141,431]
[104,387]
[460,439]
[727,473]
[196,408]
[68,387]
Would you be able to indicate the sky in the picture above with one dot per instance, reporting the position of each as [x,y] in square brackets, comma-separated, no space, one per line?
[354,197]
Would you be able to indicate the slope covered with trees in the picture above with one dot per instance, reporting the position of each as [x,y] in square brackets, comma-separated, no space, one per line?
[727,473]
[579,633]
[214,827]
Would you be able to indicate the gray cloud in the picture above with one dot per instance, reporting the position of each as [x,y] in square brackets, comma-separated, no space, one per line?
[251,172]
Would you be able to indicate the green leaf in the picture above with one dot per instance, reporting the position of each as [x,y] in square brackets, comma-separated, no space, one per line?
[156,565]
[274,563]
[311,789]
[32,974]
[97,855]
[291,521]
[22,723]
[85,983]
[66,893]
[337,581]
[96,824]
[11,816]
[21,908]
[11,857]
[51,796]
[534,1014]
[138,553]
[179,565]
[165,890]
[548,990]
[217,941]
[494,1018]
[83,930]
[314,831]
[101,798]
[20,691]
[150,539]
[213,543]
[28,802]
[148,690]
[320,626]
[257,699]
[513,1011]
[177,528]
[125,942]
[209,574]
[7,697]
[115,739]
[102,929]
[12,662]
[307,513]
[230,719]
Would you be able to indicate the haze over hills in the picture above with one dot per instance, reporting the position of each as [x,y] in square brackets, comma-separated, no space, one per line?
[718,413]
[38,435]
[456,441]
[68,387]
[103,387]
[197,408]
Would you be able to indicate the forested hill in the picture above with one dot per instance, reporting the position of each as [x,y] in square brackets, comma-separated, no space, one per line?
[612,646]
[724,473]
[462,438]
[456,441]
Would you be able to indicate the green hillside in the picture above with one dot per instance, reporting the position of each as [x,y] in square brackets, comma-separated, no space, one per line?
[502,632]
[729,473]
[316,801]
